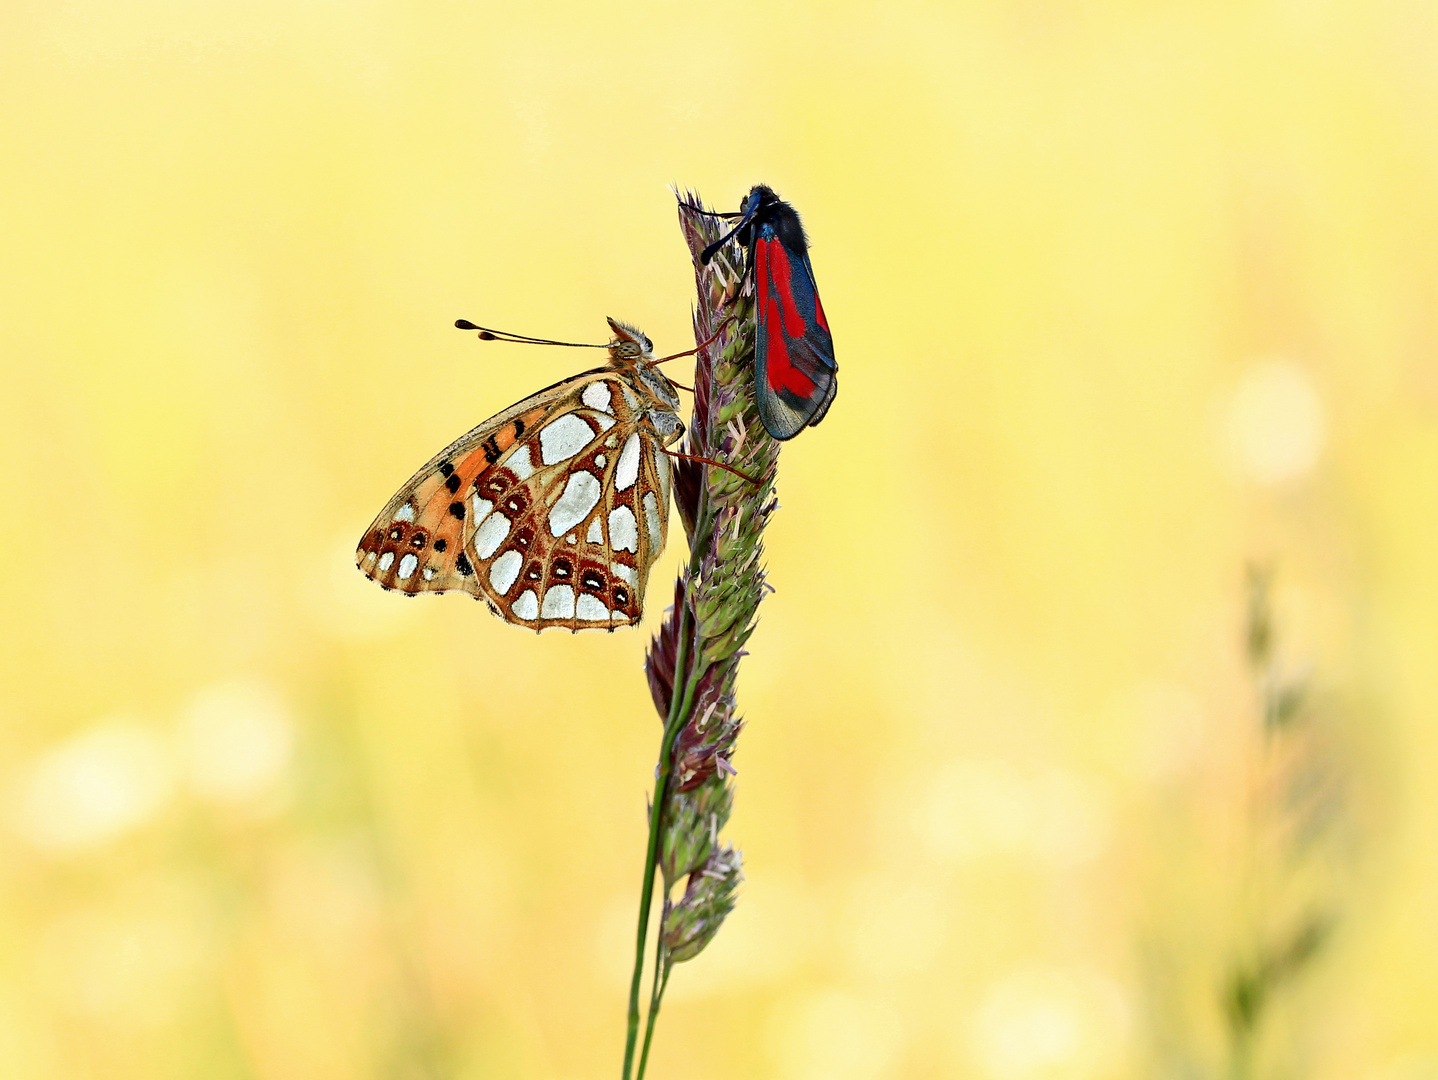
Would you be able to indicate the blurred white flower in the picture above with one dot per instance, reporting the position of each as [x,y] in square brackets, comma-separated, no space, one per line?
[1276,428]
[236,740]
[94,786]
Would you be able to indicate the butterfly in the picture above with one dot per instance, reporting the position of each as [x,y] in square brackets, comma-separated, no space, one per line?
[552,512]
[796,377]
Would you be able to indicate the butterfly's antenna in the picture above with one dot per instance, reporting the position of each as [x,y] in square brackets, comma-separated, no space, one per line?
[708,253]
[702,345]
[486,334]
[718,464]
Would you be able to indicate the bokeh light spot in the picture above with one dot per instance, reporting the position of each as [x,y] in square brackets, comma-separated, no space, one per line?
[1275,424]
[1048,1023]
[95,786]
[236,741]
[837,1036]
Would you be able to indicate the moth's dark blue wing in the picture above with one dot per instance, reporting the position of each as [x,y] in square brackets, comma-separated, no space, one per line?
[794,357]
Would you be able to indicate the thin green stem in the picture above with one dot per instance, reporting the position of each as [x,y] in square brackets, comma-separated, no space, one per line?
[679,706]
[655,997]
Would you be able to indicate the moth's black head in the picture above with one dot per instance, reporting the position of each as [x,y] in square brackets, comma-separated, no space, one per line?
[760,208]
[767,208]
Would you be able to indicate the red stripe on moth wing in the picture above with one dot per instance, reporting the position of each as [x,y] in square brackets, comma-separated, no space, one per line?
[780,275]
[782,374]
[819,313]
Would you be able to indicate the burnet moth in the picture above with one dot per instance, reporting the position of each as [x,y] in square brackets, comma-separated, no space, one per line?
[796,377]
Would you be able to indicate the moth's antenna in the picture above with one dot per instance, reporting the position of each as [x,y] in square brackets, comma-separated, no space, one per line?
[486,334]
[712,213]
[708,253]
[702,345]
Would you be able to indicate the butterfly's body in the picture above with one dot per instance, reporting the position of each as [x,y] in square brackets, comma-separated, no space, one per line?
[796,377]
[553,511]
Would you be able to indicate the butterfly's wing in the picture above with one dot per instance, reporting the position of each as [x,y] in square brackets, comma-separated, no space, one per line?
[797,377]
[500,513]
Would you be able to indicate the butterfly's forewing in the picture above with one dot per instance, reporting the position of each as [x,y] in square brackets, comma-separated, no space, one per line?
[542,511]
[794,356]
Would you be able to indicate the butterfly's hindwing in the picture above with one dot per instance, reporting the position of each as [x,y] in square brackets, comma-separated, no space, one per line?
[547,512]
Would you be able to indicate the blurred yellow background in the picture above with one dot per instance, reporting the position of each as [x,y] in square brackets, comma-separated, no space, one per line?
[1125,295]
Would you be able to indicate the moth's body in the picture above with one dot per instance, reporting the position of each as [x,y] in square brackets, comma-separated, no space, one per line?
[796,377]
[553,511]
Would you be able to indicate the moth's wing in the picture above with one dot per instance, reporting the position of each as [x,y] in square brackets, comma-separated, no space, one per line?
[796,376]
[422,540]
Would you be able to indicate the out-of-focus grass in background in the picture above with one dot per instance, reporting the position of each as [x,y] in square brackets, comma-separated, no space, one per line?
[1124,294]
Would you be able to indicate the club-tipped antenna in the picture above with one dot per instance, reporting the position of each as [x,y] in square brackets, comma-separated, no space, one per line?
[712,213]
[708,253]
[486,334]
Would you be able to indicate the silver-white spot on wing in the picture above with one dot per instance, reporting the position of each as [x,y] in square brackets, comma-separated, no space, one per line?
[408,565]
[581,495]
[590,607]
[527,606]
[404,513]
[651,518]
[558,602]
[627,471]
[504,570]
[619,616]
[595,535]
[386,561]
[490,535]
[427,573]
[519,463]
[481,508]
[564,438]
[661,466]
[625,573]
[629,398]
[600,460]
[596,396]
[605,421]
[623,529]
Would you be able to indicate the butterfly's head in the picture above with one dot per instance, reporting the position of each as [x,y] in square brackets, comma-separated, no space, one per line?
[630,344]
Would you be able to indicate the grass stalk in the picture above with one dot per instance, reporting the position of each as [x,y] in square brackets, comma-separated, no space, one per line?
[693,661]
